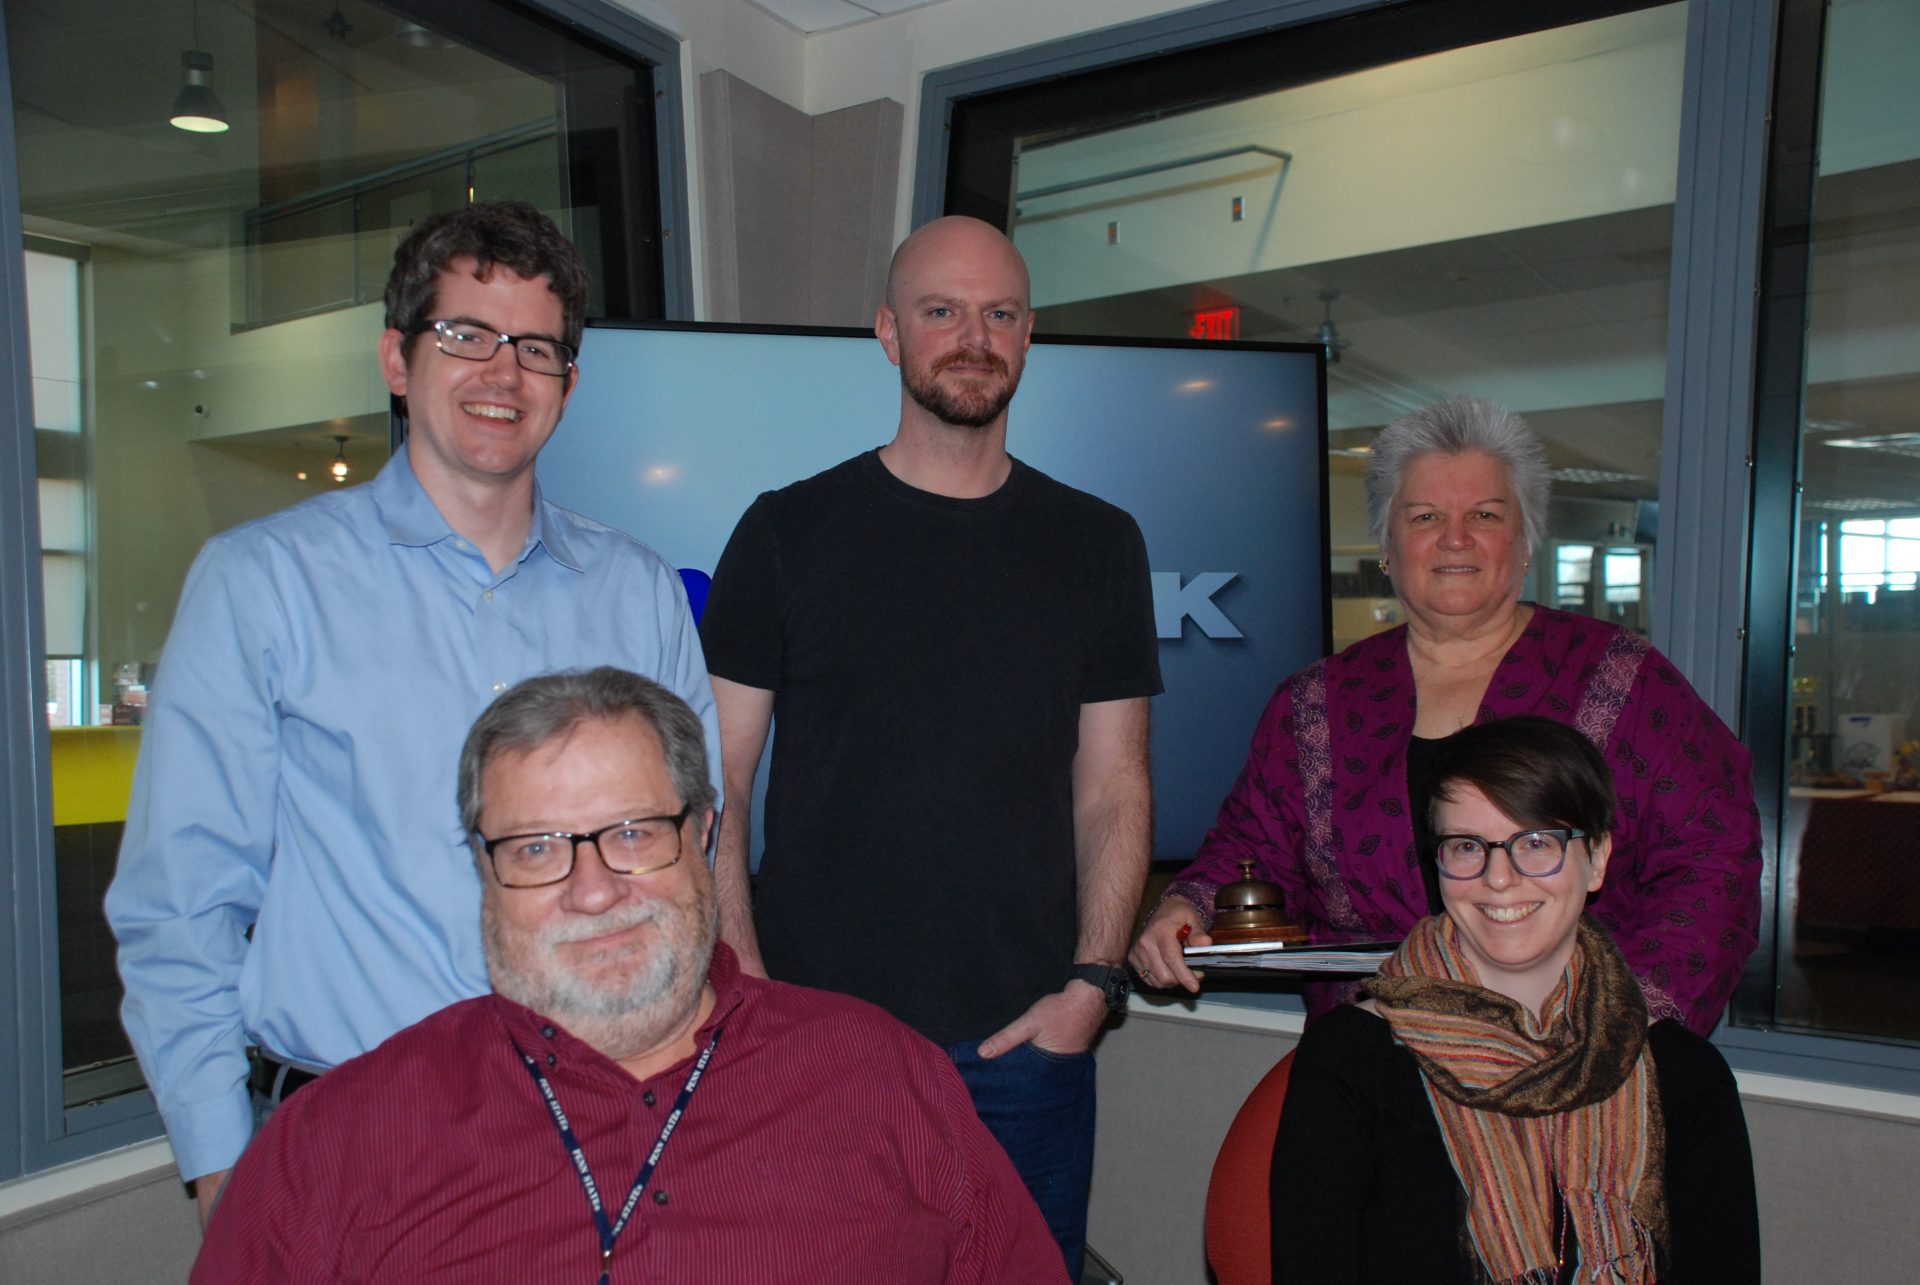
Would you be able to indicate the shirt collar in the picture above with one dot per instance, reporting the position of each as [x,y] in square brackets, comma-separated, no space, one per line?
[411,517]
[553,534]
[407,511]
[530,1029]
[723,974]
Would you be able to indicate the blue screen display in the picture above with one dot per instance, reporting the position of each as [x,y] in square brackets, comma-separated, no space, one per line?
[1218,451]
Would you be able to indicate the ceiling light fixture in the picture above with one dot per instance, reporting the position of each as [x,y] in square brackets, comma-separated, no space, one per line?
[415,36]
[1907,444]
[196,108]
[336,24]
[340,466]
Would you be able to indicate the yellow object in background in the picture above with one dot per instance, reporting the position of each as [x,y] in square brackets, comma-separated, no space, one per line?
[92,773]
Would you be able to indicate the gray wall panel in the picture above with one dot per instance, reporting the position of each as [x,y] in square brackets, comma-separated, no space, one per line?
[799,209]
[1834,1187]
[856,166]
[143,1231]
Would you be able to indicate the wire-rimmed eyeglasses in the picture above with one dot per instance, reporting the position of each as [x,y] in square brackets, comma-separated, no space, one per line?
[1534,853]
[477,343]
[636,846]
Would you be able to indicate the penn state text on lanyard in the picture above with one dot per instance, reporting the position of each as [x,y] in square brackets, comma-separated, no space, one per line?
[610,1232]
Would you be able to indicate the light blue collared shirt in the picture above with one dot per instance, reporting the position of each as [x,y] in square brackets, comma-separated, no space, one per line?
[297,776]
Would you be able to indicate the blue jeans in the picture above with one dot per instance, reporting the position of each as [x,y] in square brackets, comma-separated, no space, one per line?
[1040,1106]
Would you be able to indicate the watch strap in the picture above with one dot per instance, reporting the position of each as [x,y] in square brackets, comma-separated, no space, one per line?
[1111,981]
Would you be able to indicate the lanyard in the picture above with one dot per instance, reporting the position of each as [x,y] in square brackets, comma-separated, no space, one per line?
[609,1232]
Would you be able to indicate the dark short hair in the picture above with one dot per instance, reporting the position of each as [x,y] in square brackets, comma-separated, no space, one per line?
[539,710]
[1537,771]
[505,234]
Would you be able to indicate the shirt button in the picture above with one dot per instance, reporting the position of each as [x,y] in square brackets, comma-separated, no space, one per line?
[551,1059]
[659,1197]
[499,687]
[487,596]
[548,1032]
[647,1097]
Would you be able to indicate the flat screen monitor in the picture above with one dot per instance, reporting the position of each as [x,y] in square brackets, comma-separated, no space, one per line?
[1217,449]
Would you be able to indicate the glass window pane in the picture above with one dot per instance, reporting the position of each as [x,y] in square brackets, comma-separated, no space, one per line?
[1494,219]
[1849,961]
[302,261]
[64,694]
[1623,572]
[53,319]
[63,514]
[1903,555]
[63,578]
[1862,557]
[204,311]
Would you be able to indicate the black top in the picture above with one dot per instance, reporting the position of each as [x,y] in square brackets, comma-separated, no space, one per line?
[1423,767]
[1363,1190]
[929,657]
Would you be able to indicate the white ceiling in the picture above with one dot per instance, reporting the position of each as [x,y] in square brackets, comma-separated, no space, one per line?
[825,15]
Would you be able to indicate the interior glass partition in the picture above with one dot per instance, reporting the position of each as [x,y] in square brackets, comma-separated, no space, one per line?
[1847,957]
[1481,205]
[205,303]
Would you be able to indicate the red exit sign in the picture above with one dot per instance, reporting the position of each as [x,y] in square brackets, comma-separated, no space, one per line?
[1215,323]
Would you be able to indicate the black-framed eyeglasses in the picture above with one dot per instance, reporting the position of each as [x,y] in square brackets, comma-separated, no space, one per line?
[636,846]
[1534,853]
[477,343]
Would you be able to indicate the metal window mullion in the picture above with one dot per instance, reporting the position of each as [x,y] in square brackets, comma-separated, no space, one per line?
[29,1109]
[1701,617]
[1706,431]
[661,52]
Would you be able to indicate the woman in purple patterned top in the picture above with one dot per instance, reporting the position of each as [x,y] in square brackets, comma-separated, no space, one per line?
[1457,496]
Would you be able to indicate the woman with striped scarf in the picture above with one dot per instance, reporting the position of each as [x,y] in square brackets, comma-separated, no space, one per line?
[1498,1108]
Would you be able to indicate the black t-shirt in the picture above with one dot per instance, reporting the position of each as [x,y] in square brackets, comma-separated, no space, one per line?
[929,657]
[1363,1189]
[1423,767]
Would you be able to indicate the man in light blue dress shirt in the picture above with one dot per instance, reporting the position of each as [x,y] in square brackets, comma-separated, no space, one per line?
[293,874]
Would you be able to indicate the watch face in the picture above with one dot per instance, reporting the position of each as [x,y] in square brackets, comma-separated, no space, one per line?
[1111,981]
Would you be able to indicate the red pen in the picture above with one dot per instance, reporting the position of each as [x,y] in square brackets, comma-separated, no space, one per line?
[1186,931]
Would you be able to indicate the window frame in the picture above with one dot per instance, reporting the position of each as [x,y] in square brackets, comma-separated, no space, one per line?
[1721,592]
[1784,235]
[37,1130]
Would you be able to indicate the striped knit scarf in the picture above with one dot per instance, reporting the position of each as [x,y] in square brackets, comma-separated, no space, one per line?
[1527,1107]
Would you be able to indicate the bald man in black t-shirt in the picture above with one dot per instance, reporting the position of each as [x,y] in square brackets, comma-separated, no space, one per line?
[958,651]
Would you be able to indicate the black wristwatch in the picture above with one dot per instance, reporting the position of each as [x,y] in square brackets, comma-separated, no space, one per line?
[1111,981]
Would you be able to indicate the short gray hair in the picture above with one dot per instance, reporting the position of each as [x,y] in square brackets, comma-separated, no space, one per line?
[1459,426]
[532,713]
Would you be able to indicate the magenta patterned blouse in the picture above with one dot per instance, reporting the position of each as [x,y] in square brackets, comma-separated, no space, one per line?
[1321,805]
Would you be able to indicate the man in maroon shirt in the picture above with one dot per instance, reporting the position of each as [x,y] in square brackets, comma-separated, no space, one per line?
[626,1105]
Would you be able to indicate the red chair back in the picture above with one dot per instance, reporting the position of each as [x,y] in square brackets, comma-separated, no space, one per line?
[1239,1217]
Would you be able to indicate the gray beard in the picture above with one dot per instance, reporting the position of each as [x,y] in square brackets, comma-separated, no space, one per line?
[620,1020]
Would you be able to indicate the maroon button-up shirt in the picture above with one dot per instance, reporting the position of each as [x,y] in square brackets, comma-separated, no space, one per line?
[825,1142]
